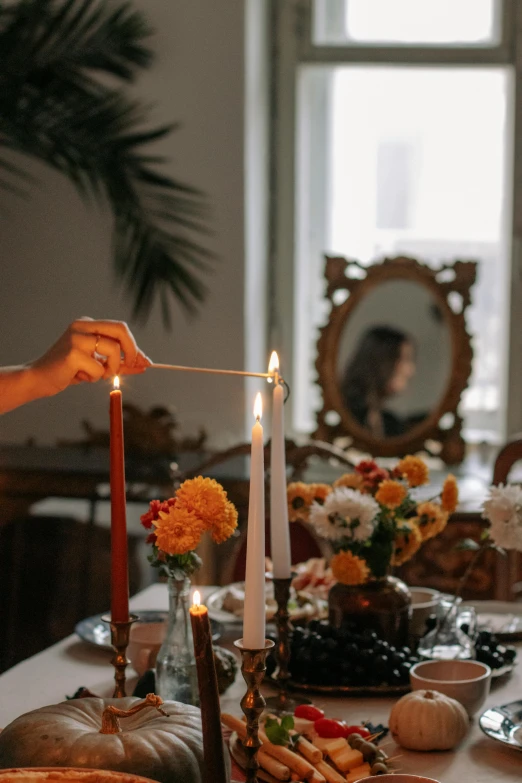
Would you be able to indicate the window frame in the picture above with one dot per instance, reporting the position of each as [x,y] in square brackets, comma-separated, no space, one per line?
[293,46]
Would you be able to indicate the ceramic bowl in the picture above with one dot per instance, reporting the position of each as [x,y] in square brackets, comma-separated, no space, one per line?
[424,602]
[398,777]
[465,681]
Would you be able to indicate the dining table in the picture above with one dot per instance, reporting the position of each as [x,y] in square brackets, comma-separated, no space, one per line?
[59,671]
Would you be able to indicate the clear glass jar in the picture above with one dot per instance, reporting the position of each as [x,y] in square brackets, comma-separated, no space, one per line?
[176,676]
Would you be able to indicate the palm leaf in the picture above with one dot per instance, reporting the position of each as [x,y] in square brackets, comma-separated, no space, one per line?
[53,107]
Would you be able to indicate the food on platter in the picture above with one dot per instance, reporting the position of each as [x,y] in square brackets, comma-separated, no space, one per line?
[322,655]
[295,748]
[227,604]
[489,651]
[313,578]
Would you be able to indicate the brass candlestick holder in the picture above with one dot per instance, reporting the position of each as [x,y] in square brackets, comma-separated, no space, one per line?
[120,632]
[253,668]
[283,702]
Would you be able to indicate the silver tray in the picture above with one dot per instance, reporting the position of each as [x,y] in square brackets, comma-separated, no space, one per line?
[504,724]
[350,690]
[94,631]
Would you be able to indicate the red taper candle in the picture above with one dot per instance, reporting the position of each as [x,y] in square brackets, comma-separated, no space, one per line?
[119,556]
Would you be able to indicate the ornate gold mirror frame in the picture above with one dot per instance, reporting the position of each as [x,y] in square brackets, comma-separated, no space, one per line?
[348,282]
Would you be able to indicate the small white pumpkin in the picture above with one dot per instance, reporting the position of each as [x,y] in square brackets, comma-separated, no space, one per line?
[428,720]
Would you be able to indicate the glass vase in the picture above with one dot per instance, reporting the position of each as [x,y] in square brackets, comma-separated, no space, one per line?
[176,676]
[381,605]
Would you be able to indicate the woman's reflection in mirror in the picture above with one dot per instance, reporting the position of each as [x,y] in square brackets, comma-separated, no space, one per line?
[381,367]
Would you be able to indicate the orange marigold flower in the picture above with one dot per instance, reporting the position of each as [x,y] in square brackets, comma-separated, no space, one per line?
[431,519]
[350,480]
[226,525]
[205,498]
[414,470]
[450,494]
[390,493]
[178,530]
[349,569]
[299,500]
[407,541]
[319,493]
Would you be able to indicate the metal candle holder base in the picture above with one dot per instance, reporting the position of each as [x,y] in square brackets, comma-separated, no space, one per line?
[253,668]
[283,702]
[120,633]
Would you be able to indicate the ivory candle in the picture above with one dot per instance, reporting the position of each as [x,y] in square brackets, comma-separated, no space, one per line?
[254,609]
[279,529]
[119,557]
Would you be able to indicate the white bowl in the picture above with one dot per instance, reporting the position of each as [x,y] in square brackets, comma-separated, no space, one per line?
[424,602]
[398,777]
[465,681]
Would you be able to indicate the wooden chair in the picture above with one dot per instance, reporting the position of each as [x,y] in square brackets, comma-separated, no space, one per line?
[226,563]
[511,573]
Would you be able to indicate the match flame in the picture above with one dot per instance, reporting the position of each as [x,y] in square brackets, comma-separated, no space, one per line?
[273,365]
[258,406]
[196,600]
[116,382]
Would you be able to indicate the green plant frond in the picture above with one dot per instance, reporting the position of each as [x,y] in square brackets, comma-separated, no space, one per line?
[53,107]
[73,35]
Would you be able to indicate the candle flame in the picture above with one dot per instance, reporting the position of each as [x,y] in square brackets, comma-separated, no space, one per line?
[196,600]
[258,406]
[116,382]
[273,365]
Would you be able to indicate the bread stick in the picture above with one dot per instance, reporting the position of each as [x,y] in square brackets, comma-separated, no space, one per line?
[272,765]
[296,763]
[329,773]
[309,751]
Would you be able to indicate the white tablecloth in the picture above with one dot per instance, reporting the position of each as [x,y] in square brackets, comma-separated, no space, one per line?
[59,671]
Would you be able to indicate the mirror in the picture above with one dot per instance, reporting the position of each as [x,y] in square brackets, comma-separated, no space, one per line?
[394,357]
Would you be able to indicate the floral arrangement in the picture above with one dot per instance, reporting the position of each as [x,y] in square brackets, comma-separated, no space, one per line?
[371,516]
[176,525]
[503,510]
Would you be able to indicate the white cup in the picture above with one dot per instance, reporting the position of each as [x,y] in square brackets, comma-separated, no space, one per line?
[424,601]
[144,644]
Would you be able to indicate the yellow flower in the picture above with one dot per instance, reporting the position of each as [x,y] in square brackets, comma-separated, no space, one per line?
[318,493]
[178,530]
[407,541]
[350,480]
[450,494]
[349,569]
[226,525]
[299,500]
[205,498]
[414,469]
[431,519]
[390,493]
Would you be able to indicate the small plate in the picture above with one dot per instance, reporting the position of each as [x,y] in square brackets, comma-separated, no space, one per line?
[504,724]
[311,608]
[95,631]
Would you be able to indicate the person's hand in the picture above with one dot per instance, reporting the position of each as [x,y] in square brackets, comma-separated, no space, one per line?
[87,351]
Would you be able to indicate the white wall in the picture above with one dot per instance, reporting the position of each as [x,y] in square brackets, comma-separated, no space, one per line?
[55,252]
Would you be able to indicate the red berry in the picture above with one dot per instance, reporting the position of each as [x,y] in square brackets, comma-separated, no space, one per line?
[356,730]
[329,729]
[308,712]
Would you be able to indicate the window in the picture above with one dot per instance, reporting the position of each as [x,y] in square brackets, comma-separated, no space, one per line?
[406,22]
[402,158]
